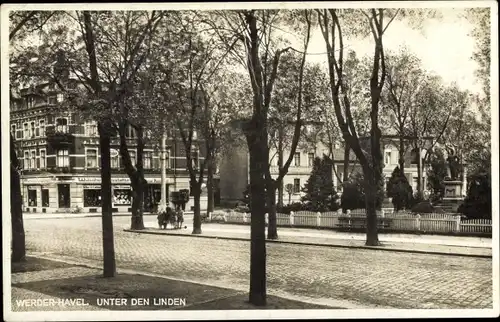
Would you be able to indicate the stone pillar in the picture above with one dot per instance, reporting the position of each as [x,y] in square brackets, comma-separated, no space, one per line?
[464,181]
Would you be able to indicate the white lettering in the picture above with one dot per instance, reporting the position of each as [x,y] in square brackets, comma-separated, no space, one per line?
[139,301]
[111,302]
[169,301]
[51,302]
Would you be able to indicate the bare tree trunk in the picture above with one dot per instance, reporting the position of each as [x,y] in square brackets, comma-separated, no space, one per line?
[280,166]
[258,163]
[347,151]
[140,184]
[16,208]
[401,160]
[272,229]
[371,212]
[107,216]
[420,188]
[210,187]
[197,215]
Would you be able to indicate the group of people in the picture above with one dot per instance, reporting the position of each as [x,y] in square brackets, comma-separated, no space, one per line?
[173,217]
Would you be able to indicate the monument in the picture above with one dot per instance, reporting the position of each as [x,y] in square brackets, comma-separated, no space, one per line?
[454,183]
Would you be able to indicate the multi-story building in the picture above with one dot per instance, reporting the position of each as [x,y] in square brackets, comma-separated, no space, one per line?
[234,168]
[60,158]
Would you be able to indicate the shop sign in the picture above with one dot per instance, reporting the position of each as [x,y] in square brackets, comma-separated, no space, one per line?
[121,187]
[37,181]
[92,186]
[89,179]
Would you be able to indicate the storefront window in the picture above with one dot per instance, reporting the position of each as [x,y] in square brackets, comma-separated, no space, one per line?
[32,197]
[91,197]
[122,197]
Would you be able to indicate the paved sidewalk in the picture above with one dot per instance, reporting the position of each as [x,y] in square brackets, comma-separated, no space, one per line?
[431,244]
[54,284]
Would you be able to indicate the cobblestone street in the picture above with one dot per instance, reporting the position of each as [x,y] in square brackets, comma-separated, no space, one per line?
[362,278]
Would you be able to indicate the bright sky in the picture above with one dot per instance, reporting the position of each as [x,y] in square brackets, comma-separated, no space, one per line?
[444,46]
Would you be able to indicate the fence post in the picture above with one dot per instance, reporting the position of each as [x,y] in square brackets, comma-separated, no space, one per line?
[349,216]
[417,222]
[457,220]
[291,218]
[244,217]
[267,218]
[318,219]
[225,216]
[209,216]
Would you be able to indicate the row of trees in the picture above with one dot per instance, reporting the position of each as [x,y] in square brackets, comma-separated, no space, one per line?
[132,66]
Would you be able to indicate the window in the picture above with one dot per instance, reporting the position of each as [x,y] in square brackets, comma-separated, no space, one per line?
[53,100]
[414,156]
[43,160]
[90,128]
[63,158]
[26,160]
[13,130]
[33,160]
[387,157]
[167,159]
[195,134]
[296,185]
[147,159]
[91,197]
[194,159]
[62,125]
[30,102]
[32,197]
[297,159]
[133,158]
[32,130]
[310,159]
[42,127]
[25,131]
[60,97]
[130,134]
[115,160]
[91,158]
[156,160]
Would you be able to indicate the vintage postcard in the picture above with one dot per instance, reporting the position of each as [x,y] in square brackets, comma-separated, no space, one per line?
[247,160]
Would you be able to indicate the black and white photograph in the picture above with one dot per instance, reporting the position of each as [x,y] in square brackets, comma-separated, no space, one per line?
[249,160]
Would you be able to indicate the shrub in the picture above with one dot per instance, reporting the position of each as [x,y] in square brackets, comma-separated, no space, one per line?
[425,207]
[477,204]
[320,194]
[399,190]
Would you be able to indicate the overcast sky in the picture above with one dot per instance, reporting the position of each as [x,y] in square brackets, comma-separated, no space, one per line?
[444,46]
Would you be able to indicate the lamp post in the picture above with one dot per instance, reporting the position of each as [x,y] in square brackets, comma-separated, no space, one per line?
[163,199]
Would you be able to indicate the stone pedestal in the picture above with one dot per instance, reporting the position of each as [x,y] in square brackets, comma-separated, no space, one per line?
[453,195]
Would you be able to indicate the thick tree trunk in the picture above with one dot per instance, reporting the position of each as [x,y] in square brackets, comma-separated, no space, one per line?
[371,212]
[258,163]
[401,159]
[197,213]
[107,216]
[420,188]
[137,220]
[272,229]
[280,166]
[347,151]
[16,208]
[210,188]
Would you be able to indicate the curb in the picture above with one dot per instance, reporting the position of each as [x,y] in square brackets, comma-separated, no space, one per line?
[398,250]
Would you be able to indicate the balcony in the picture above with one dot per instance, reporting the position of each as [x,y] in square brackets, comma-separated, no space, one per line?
[60,139]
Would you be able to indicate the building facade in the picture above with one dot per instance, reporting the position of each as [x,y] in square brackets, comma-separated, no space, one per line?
[60,158]
[234,168]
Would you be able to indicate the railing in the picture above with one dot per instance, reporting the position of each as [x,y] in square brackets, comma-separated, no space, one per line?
[444,223]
